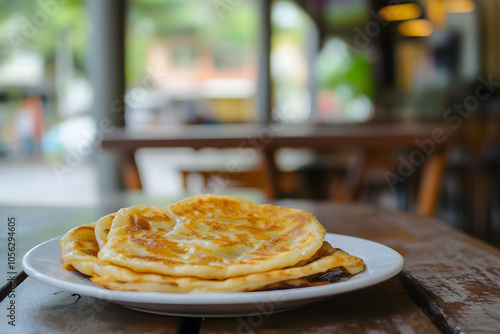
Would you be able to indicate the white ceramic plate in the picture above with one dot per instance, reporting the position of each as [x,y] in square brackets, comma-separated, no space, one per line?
[43,263]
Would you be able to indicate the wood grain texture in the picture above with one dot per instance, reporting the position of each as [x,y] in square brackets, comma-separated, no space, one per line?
[460,273]
[43,309]
[384,308]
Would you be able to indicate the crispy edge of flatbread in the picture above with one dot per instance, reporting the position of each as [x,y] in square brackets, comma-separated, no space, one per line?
[102,228]
[162,283]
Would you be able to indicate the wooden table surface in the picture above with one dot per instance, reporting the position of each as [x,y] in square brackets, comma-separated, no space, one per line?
[450,284]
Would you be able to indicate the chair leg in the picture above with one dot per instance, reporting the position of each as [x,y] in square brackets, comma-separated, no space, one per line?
[130,172]
[430,184]
[270,173]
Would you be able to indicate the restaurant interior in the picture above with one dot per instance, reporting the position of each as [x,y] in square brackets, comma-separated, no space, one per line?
[395,102]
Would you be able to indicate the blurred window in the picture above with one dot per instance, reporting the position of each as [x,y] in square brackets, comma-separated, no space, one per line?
[43,80]
[197,58]
[317,78]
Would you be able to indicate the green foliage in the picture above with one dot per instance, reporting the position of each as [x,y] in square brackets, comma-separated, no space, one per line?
[44,25]
[237,26]
[338,66]
[234,23]
[346,14]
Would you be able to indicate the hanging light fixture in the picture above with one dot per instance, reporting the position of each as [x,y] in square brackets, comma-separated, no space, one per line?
[414,23]
[400,12]
[416,28]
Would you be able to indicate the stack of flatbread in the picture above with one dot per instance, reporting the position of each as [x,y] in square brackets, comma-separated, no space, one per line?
[205,243]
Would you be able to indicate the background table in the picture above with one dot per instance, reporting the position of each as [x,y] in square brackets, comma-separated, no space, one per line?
[451,282]
[266,139]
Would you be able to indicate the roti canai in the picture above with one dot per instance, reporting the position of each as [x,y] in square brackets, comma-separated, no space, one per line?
[211,236]
[205,243]
[83,257]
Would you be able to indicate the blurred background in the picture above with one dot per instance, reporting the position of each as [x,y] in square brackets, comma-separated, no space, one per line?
[331,62]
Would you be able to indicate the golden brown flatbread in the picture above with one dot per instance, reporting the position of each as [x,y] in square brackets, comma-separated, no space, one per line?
[211,236]
[83,257]
[205,243]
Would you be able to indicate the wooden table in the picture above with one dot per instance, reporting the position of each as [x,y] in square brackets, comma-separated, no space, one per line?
[266,139]
[451,282]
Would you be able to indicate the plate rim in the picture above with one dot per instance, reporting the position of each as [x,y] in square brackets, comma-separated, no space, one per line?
[220,298]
